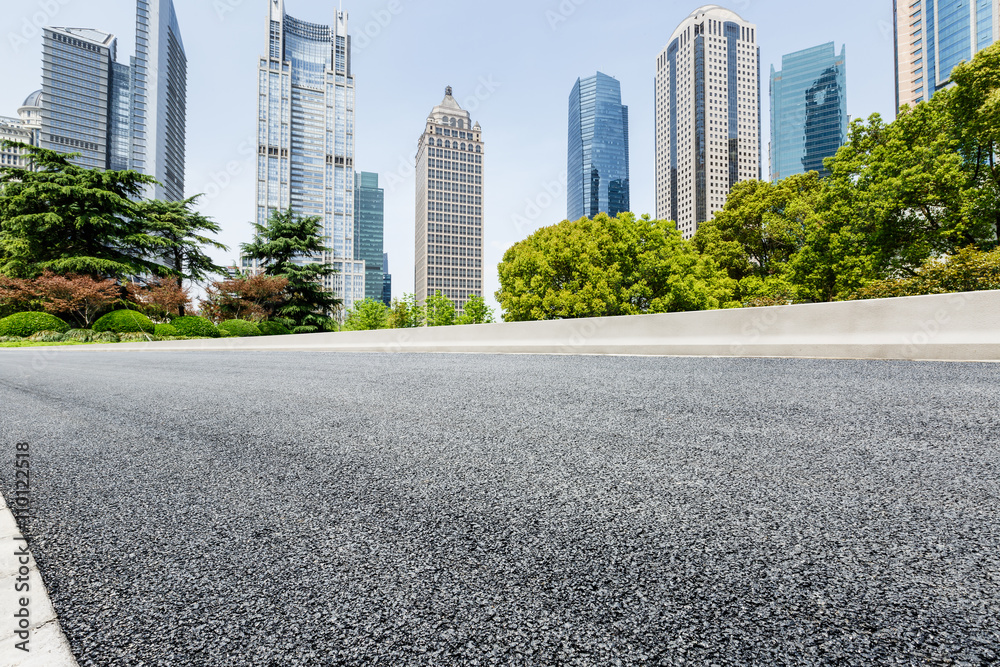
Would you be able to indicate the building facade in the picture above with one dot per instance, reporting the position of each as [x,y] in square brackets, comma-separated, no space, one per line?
[305,136]
[369,230]
[449,220]
[159,98]
[386,281]
[808,110]
[23,130]
[707,115]
[76,91]
[598,159]
[932,36]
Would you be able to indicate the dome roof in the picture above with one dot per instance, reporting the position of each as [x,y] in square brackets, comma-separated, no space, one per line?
[34,99]
[717,11]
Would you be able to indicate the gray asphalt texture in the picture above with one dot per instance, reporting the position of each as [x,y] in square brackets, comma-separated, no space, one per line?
[335,509]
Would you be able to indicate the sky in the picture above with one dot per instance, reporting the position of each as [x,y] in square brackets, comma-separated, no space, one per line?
[512,65]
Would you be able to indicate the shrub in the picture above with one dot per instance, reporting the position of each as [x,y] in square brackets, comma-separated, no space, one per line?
[226,333]
[968,270]
[106,337]
[271,328]
[11,339]
[28,324]
[240,328]
[305,330]
[47,337]
[166,331]
[193,326]
[81,335]
[124,321]
[135,337]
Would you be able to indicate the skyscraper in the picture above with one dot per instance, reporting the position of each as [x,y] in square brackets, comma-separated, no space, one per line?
[808,110]
[119,116]
[77,78]
[386,281]
[707,115]
[159,93]
[597,169]
[932,36]
[449,224]
[305,135]
[369,224]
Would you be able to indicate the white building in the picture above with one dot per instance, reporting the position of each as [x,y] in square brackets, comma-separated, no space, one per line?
[22,130]
[449,221]
[305,137]
[707,115]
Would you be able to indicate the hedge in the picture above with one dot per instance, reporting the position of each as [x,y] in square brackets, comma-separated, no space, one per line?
[193,326]
[82,335]
[166,331]
[271,328]
[23,325]
[106,337]
[47,337]
[240,328]
[124,321]
[305,330]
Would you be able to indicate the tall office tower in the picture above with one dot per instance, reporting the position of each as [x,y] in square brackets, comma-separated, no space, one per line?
[305,136]
[932,36]
[159,98]
[707,115]
[369,230]
[23,130]
[386,281]
[449,225]
[597,169]
[808,110]
[77,79]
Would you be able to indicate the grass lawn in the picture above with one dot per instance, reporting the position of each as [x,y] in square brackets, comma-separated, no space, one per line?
[33,344]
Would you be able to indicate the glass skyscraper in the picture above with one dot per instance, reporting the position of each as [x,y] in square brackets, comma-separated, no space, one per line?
[119,116]
[932,36]
[305,137]
[159,97]
[808,110]
[598,165]
[369,230]
[77,85]
[386,281]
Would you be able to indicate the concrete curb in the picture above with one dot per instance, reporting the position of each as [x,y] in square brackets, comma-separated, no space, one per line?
[47,645]
[945,327]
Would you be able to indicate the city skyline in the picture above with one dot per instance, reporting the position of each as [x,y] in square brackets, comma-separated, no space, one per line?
[222,89]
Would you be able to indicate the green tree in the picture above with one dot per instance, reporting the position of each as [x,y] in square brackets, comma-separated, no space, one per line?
[282,239]
[761,226]
[476,312]
[57,216]
[439,310]
[608,266]
[367,315]
[406,313]
[183,233]
[975,106]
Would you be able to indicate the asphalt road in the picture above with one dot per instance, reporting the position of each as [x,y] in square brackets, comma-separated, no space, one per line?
[332,509]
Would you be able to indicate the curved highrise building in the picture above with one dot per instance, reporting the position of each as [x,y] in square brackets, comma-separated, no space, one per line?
[707,115]
[305,137]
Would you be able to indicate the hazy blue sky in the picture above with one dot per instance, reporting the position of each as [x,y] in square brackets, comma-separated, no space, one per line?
[514,61]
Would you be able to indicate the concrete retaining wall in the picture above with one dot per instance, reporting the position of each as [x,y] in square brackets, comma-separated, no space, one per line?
[959,327]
